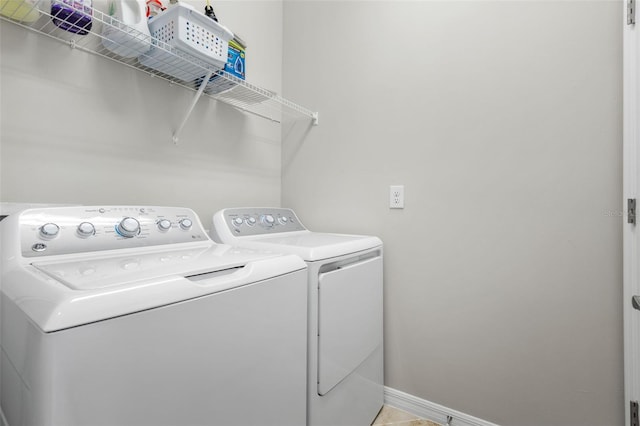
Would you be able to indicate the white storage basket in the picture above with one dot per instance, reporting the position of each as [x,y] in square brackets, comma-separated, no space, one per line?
[184,42]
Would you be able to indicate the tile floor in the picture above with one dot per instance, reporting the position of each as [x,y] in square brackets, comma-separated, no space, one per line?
[393,416]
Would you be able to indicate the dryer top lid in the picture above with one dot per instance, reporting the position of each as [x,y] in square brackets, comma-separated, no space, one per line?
[311,246]
[279,230]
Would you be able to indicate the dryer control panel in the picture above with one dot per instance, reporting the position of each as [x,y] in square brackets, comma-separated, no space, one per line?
[78,229]
[261,221]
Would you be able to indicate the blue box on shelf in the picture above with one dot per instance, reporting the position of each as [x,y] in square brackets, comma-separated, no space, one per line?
[235,67]
[235,60]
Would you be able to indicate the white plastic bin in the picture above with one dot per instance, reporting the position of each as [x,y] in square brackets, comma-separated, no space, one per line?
[186,43]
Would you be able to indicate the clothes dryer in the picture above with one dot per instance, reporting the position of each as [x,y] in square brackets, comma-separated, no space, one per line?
[129,315]
[345,352]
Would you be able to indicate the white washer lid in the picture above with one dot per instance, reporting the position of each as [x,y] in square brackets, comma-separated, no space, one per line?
[119,270]
[310,246]
[67,293]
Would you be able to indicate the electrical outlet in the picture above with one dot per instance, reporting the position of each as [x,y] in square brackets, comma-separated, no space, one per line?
[396,197]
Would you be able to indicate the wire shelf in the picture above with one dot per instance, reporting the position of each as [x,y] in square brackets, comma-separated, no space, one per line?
[171,64]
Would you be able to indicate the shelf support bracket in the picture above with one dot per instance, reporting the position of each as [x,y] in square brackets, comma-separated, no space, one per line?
[193,104]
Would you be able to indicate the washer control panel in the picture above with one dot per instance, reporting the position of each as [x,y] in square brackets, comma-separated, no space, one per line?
[78,229]
[261,221]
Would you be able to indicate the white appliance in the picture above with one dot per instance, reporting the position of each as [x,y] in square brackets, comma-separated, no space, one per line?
[345,354]
[133,316]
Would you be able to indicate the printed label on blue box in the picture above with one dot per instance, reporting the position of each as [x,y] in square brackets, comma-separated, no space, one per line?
[235,61]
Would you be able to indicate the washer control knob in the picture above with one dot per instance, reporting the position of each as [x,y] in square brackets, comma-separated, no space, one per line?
[283,220]
[128,227]
[186,224]
[164,224]
[267,220]
[238,221]
[49,230]
[251,221]
[86,229]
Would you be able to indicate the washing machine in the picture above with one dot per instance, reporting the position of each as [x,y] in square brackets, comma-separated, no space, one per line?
[345,353]
[131,315]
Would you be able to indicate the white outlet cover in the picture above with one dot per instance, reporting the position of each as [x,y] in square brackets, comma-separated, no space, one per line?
[396,197]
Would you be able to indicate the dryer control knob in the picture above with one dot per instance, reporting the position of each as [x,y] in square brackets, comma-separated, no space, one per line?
[251,221]
[164,224]
[186,224]
[267,220]
[86,229]
[283,220]
[49,230]
[238,221]
[128,227]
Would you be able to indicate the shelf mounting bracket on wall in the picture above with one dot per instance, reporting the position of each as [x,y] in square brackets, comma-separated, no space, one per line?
[205,80]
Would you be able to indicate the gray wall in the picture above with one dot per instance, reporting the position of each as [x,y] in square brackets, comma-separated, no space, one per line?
[77,128]
[503,121]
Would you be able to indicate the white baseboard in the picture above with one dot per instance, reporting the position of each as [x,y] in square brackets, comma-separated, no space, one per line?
[430,410]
